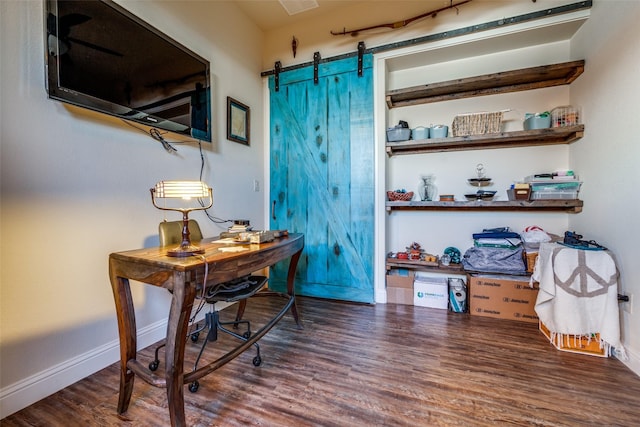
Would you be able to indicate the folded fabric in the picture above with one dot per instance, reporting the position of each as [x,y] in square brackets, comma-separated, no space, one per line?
[498,243]
[496,235]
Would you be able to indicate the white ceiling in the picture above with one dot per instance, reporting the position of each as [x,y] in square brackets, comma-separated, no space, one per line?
[269,14]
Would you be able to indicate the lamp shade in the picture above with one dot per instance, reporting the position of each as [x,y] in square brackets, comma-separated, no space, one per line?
[182,189]
[185,190]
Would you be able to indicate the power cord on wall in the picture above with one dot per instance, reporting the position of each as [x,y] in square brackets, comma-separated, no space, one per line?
[158,136]
[212,218]
[155,134]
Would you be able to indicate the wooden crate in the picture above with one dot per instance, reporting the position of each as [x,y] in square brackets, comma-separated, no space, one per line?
[577,343]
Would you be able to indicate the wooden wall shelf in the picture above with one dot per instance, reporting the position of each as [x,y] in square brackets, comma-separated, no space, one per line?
[523,138]
[567,206]
[419,265]
[488,84]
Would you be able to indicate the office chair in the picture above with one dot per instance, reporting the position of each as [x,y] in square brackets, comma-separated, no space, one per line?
[237,290]
[170,232]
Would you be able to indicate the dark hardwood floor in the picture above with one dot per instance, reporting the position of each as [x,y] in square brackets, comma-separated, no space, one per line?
[382,365]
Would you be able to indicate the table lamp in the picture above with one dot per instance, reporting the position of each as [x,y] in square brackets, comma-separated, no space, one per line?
[183,192]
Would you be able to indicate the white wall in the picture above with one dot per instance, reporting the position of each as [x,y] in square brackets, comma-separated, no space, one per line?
[75,187]
[608,154]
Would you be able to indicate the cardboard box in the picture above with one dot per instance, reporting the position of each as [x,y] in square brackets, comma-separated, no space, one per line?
[400,296]
[400,278]
[503,297]
[577,343]
[518,194]
[431,292]
[400,286]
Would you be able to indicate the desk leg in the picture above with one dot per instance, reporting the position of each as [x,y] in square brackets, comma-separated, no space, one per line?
[128,338]
[181,304]
[291,275]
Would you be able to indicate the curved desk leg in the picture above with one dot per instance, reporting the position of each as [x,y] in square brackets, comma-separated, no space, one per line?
[181,305]
[128,337]
[291,276]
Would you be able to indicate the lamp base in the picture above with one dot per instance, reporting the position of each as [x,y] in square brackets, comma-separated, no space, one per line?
[185,251]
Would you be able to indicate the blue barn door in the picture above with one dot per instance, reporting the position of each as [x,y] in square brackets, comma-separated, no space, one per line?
[322,177]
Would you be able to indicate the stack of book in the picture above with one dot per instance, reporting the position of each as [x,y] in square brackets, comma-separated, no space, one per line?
[240,226]
[500,239]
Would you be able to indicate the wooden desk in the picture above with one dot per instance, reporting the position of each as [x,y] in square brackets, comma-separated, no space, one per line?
[183,277]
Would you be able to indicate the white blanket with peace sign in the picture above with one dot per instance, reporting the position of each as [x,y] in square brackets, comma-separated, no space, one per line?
[578,293]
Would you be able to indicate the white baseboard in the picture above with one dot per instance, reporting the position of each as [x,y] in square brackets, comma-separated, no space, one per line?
[36,387]
[30,390]
[633,361]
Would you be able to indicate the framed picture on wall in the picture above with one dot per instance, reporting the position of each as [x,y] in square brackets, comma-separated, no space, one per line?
[237,121]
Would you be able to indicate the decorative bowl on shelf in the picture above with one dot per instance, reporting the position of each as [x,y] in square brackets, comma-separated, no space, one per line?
[481,195]
[479,182]
[395,196]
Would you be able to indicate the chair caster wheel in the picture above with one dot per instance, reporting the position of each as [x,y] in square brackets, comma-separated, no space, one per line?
[195,336]
[257,361]
[246,335]
[194,386]
[153,366]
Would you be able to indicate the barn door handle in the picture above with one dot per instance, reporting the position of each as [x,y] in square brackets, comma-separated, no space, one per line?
[273,211]
[336,249]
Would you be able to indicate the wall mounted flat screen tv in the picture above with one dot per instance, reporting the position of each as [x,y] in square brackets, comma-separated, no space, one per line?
[102,57]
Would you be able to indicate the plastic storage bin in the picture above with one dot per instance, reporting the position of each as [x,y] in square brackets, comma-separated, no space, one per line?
[421,132]
[398,134]
[556,186]
[554,195]
[439,131]
[536,121]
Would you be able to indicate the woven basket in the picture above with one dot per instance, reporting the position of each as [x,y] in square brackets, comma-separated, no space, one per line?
[477,123]
[396,196]
[531,260]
